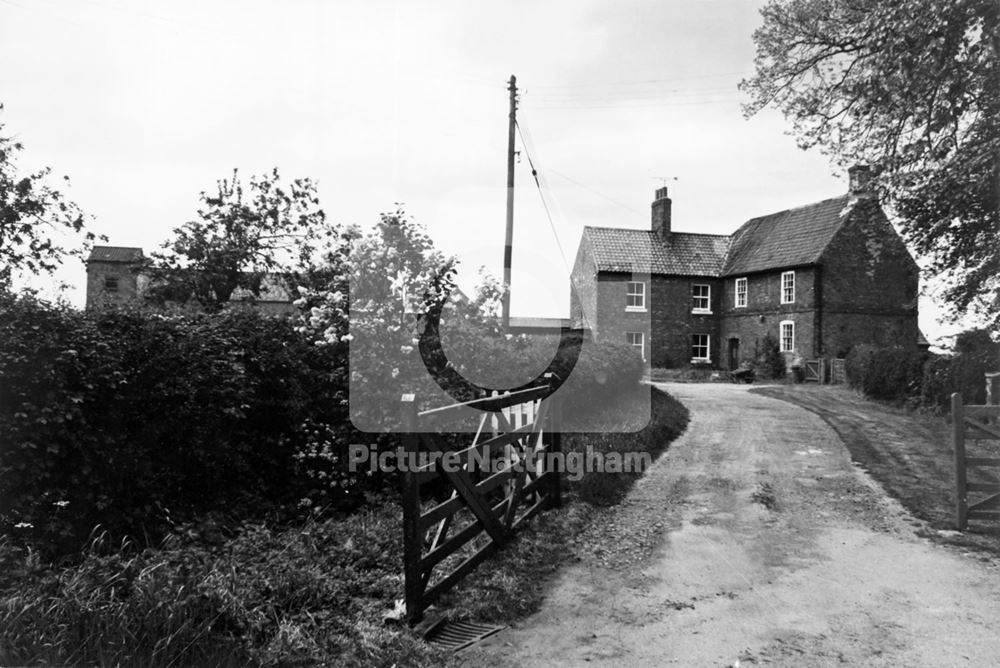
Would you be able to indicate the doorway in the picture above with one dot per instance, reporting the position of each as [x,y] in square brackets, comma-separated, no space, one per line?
[734,354]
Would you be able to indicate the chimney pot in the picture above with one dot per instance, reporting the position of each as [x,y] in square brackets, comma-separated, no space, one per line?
[661,213]
[860,181]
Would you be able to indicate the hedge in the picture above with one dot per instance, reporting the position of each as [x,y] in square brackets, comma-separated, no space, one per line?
[139,421]
[136,421]
[907,374]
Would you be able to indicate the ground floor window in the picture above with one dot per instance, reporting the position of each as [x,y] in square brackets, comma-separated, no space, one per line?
[699,347]
[787,337]
[638,340]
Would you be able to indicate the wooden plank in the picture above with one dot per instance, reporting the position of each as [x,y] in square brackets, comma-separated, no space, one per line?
[466,489]
[455,542]
[492,403]
[980,431]
[984,515]
[463,569]
[514,499]
[553,426]
[983,486]
[412,536]
[982,411]
[958,443]
[982,461]
[989,503]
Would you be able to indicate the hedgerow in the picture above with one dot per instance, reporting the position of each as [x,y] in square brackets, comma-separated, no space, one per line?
[136,420]
[929,380]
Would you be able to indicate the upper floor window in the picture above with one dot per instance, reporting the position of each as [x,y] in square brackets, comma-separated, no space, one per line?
[702,298]
[699,348]
[638,340]
[741,292]
[787,336]
[788,287]
[111,284]
[635,296]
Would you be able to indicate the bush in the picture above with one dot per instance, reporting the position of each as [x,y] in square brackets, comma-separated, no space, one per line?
[964,372]
[136,421]
[857,364]
[894,373]
[770,362]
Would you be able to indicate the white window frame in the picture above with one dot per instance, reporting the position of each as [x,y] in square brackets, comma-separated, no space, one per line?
[788,287]
[791,336]
[741,282]
[707,297]
[641,294]
[708,349]
[640,344]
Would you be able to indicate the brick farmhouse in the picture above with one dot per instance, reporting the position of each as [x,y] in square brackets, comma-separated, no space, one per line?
[819,278]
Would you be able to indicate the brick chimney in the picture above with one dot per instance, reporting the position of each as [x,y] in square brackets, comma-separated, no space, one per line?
[860,180]
[661,213]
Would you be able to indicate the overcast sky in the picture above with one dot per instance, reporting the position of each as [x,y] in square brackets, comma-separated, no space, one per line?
[145,104]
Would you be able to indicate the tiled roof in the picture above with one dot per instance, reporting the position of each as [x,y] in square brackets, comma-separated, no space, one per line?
[785,239]
[115,254]
[684,254]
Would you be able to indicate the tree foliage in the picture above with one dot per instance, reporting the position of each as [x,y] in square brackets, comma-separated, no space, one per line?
[913,88]
[36,220]
[242,235]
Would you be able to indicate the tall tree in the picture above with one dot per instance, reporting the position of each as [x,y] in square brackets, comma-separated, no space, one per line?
[243,234]
[913,88]
[36,220]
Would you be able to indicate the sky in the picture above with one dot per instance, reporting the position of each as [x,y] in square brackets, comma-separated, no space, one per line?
[388,103]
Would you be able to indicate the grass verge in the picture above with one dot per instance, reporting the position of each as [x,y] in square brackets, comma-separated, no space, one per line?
[909,453]
[307,595]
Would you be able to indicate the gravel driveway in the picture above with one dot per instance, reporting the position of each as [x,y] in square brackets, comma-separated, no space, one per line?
[755,541]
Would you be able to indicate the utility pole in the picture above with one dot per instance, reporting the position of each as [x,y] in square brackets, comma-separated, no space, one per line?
[509,239]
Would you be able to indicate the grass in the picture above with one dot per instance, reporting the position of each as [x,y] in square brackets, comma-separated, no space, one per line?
[305,595]
[908,452]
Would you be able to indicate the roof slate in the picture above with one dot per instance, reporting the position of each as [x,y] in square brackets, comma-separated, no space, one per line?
[685,254]
[115,254]
[785,239]
[789,238]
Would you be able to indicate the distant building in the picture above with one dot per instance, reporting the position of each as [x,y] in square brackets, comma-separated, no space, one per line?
[819,278]
[115,276]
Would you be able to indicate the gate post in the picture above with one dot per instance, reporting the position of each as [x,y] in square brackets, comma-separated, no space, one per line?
[993,388]
[958,438]
[412,539]
[555,447]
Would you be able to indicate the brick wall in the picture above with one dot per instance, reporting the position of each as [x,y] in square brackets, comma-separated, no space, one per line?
[612,320]
[673,321]
[869,284]
[764,313]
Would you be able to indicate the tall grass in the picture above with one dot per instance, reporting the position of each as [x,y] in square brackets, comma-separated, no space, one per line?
[305,595]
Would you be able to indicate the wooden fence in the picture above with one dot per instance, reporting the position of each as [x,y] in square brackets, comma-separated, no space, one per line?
[485,490]
[978,426]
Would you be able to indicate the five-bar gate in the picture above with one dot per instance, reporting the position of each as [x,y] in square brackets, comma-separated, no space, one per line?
[979,425]
[462,503]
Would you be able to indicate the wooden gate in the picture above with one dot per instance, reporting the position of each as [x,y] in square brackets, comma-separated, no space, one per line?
[816,370]
[978,426]
[485,489]
[838,371]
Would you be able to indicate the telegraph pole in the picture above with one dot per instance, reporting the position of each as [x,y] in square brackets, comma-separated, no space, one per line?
[509,239]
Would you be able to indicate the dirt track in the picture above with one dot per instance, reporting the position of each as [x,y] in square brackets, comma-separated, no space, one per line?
[774,550]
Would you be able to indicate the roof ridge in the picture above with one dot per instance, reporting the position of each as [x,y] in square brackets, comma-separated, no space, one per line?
[639,229]
[795,208]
